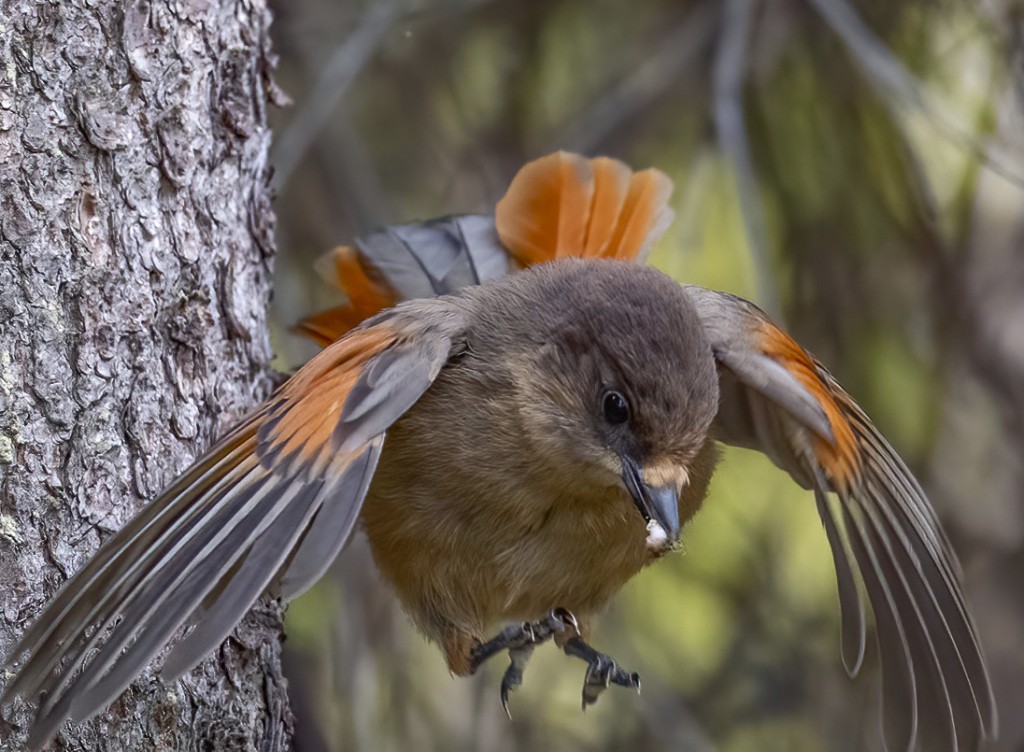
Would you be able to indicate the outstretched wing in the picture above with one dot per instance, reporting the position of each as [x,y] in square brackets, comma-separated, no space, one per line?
[777,398]
[562,205]
[271,504]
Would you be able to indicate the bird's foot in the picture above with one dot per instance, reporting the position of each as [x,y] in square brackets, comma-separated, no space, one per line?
[514,673]
[527,634]
[602,671]
[520,641]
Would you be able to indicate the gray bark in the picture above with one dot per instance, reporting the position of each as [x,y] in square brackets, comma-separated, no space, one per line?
[135,253]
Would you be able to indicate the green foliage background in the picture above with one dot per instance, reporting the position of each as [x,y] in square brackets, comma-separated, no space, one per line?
[854,167]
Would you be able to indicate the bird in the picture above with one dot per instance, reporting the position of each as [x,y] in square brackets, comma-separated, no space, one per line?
[520,415]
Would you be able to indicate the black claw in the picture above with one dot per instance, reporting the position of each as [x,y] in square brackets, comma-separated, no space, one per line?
[602,671]
[527,633]
[506,687]
[520,641]
[514,674]
[561,619]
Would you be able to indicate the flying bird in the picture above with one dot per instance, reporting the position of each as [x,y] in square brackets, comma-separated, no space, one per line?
[521,416]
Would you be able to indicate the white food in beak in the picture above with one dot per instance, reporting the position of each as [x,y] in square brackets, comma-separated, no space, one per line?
[657,538]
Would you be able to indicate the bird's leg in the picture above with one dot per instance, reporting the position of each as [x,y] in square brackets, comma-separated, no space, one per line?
[560,624]
[520,641]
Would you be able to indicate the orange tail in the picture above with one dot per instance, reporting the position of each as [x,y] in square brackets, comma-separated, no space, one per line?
[367,291]
[557,206]
[567,205]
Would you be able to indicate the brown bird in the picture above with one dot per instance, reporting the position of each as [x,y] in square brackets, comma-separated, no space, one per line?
[516,447]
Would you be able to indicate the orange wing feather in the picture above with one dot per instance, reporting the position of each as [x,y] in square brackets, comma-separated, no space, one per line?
[842,459]
[308,407]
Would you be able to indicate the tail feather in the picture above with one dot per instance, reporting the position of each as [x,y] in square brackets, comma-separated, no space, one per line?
[404,262]
[644,215]
[558,206]
[565,205]
[612,180]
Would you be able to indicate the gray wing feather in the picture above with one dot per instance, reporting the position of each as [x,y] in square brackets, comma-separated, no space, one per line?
[332,514]
[851,605]
[936,689]
[389,386]
[330,531]
[213,542]
[171,597]
[489,258]
[725,317]
[138,600]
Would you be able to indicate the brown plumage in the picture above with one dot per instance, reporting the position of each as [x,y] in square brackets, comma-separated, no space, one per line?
[516,448]
[540,477]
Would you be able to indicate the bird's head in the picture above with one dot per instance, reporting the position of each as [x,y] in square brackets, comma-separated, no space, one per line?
[614,379]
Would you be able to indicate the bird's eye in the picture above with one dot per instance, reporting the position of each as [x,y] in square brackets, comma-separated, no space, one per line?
[616,409]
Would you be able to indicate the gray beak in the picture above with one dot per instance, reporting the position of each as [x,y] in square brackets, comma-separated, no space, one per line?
[658,503]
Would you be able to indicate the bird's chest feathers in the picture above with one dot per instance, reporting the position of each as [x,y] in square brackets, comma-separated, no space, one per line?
[571,553]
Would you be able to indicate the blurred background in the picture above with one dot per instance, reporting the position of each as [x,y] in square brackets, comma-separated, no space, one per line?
[853,166]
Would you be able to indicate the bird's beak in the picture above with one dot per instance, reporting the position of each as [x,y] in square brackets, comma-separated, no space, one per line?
[658,503]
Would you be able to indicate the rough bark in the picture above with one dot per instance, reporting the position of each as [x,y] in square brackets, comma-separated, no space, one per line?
[135,251]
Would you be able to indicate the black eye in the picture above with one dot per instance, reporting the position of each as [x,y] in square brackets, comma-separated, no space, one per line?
[615,407]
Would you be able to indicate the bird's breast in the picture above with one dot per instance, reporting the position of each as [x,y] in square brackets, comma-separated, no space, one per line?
[471,549]
[585,549]
[473,523]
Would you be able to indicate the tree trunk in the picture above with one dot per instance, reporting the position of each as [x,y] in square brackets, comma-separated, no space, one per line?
[135,253]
